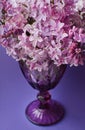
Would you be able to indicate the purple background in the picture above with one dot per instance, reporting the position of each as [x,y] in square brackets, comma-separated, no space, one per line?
[16,94]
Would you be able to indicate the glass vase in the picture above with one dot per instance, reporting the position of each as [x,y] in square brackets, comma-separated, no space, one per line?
[44,110]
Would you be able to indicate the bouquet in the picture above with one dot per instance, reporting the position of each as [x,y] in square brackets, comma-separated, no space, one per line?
[37,31]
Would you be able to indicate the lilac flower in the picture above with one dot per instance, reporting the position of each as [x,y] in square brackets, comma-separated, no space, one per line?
[37,31]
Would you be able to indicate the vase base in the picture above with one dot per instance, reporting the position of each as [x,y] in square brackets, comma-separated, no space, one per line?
[53,113]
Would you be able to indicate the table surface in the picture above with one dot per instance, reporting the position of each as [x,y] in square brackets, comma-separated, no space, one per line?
[16,94]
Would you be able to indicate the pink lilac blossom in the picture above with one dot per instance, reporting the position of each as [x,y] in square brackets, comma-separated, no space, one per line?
[37,31]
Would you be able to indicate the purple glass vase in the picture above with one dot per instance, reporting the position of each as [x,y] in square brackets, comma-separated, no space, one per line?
[44,110]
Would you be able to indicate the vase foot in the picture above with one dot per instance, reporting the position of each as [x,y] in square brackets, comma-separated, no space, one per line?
[53,113]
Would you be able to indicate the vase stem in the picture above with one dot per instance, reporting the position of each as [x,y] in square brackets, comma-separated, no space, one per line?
[44,99]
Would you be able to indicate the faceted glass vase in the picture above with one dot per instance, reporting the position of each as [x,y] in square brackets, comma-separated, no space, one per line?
[44,110]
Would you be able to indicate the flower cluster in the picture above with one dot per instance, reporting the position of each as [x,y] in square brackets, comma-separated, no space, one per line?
[37,31]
